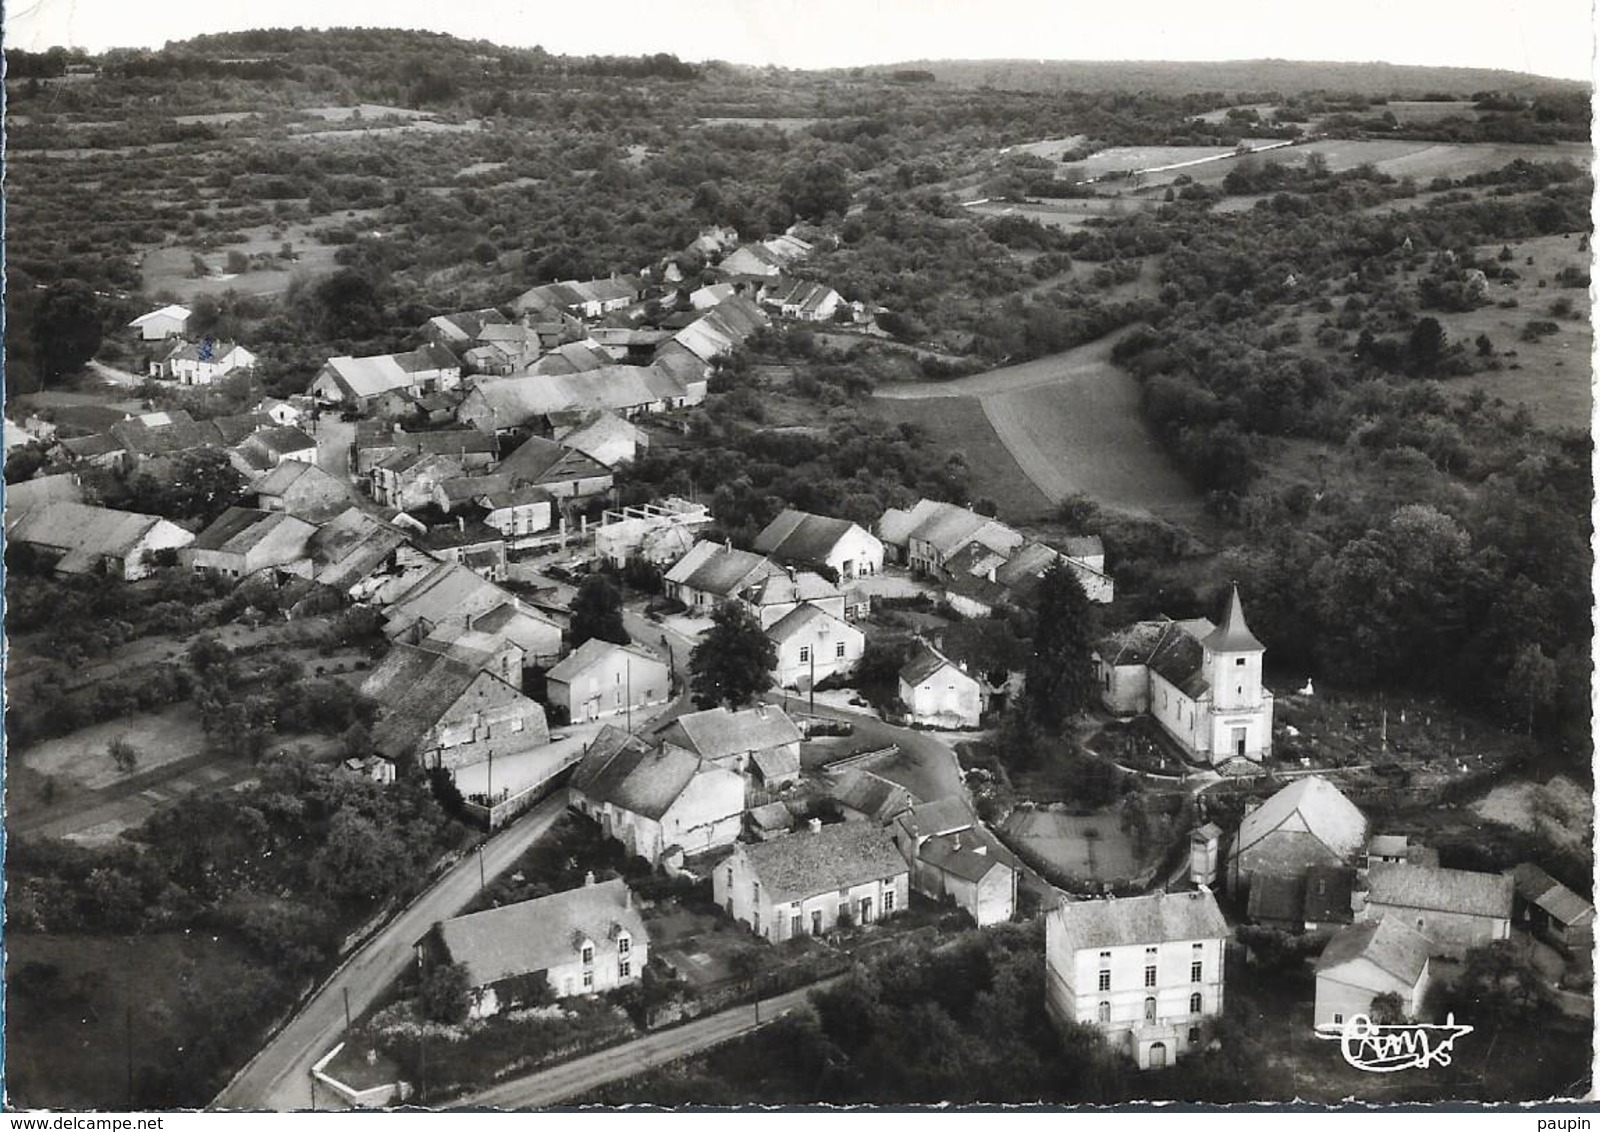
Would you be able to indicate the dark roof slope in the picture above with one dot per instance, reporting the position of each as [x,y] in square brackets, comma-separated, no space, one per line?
[835,857]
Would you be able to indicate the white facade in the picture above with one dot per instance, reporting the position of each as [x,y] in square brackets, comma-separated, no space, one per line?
[823,646]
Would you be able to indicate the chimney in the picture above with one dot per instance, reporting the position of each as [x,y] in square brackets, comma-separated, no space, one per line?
[815,825]
[461,523]
[955,841]
[588,878]
[790,569]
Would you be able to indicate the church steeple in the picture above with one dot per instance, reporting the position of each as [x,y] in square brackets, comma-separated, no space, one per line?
[1233,635]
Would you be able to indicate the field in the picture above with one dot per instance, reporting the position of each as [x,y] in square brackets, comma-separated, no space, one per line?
[960,425]
[1089,847]
[80,759]
[69,1034]
[1068,215]
[1071,422]
[1050,149]
[1136,158]
[787,125]
[171,268]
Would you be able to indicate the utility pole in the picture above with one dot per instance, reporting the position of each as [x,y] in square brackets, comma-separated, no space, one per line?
[347,1026]
[627,693]
[130,1055]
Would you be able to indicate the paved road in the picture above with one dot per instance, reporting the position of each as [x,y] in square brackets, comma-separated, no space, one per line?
[278,1078]
[926,765]
[571,1079]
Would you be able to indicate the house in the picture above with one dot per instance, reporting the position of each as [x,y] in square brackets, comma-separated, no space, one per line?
[301,488]
[1147,970]
[865,797]
[954,859]
[813,644]
[88,540]
[508,404]
[762,736]
[656,797]
[660,533]
[201,363]
[772,597]
[25,495]
[354,553]
[803,539]
[583,299]
[1306,824]
[1366,960]
[924,537]
[446,713]
[1319,900]
[421,601]
[714,572]
[488,652]
[281,412]
[537,635]
[559,470]
[359,382]
[475,545]
[1551,910]
[269,447]
[766,259]
[720,330]
[813,881]
[163,323]
[600,679]
[1201,683]
[583,941]
[604,437]
[712,295]
[463,329]
[801,299]
[408,479]
[1456,909]
[244,540]
[582,356]
[516,512]
[938,692]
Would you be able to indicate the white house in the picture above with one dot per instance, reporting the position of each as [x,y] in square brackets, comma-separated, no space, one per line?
[1365,960]
[1202,683]
[201,363]
[122,543]
[656,798]
[813,644]
[163,323]
[938,692]
[714,572]
[801,539]
[600,679]
[954,858]
[813,881]
[582,941]
[1147,970]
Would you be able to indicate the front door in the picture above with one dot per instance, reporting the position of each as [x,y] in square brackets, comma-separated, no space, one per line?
[1158,1056]
[1240,735]
[866,909]
[816,922]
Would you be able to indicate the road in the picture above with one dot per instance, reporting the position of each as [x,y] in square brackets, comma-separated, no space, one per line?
[926,765]
[278,1079]
[571,1079]
[113,376]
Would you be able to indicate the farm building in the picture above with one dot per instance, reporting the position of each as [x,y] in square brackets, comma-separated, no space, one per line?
[88,539]
[243,541]
[1365,960]
[167,322]
[953,858]
[938,692]
[1456,909]
[714,572]
[761,735]
[301,488]
[1552,910]
[799,538]
[201,363]
[1306,824]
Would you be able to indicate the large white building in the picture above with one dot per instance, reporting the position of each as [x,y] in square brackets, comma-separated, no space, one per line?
[1201,682]
[1147,970]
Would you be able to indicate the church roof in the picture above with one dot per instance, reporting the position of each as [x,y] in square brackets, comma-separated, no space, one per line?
[1233,635]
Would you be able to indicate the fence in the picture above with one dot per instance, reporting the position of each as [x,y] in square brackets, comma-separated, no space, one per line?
[861,757]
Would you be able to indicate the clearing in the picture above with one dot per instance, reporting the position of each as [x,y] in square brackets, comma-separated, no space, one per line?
[81,759]
[1072,423]
[1089,847]
[171,268]
[1559,810]
[959,424]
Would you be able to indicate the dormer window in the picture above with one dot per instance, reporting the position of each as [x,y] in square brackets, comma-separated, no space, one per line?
[588,953]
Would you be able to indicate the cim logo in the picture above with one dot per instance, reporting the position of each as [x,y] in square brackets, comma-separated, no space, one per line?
[1389,1049]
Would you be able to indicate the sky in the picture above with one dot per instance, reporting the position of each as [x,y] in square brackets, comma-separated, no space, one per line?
[1544,37]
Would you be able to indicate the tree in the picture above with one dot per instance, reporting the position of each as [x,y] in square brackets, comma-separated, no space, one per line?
[1060,676]
[1426,346]
[1535,679]
[357,860]
[66,328]
[1498,983]
[1387,1009]
[123,753]
[733,664]
[446,993]
[597,612]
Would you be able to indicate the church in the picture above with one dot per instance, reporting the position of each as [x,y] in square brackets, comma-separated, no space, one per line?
[1201,682]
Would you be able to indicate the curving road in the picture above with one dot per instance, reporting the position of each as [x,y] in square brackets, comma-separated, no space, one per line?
[278,1079]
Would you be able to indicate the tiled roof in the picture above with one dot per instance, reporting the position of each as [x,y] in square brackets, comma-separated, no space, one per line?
[1555,899]
[776,762]
[537,460]
[802,621]
[1392,945]
[238,530]
[1164,917]
[926,661]
[283,438]
[537,935]
[629,773]
[719,733]
[718,569]
[171,311]
[28,494]
[802,537]
[1440,890]
[1313,805]
[835,857]
[592,652]
[772,816]
[930,819]
[778,588]
[368,376]
[415,687]
[350,546]
[1180,660]
[878,798]
[1233,635]
[969,854]
[79,528]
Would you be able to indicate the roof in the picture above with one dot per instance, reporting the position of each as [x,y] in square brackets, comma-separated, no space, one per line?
[81,529]
[721,329]
[717,568]
[835,857]
[866,793]
[537,460]
[537,935]
[28,494]
[416,688]
[970,854]
[470,646]
[1440,890]
[601,436]
[514,401]
[159,439]
[368,376]
[466,326]
[1389,943]
[802,536]
[507,496]
[426,358]
[1163,917]
[1388,845]
[800,621]
[239,530]
[780,588]
[930,819]
[172,311]
[1180,660]
[774,815]
[284,438]
[287,474]
[592,652]
[636,776]
[1552,897]
[1137,643]
[925,662]
[1233,635]
[718,733]
[448,590]
[776,762]
[1311,805]
[573,357]
[350,546]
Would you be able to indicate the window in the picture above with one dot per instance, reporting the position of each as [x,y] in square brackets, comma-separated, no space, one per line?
[1149,974]
[1196,970]
[1105,980]
[1194,1035]
[838,650]
[588,980]
[1149,1010]
[624,968]
[805,653]
[888,901]
[1195,1004]
[588,953]
[1239,663]
[624,945]
[1105,959]
[1338,1019]
[794,926]
[1105,1012]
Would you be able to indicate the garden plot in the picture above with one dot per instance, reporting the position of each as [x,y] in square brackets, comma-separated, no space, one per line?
[81,758]
[1089,847]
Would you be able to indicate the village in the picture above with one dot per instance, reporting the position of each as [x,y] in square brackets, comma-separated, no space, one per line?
[462,492]
[987,594]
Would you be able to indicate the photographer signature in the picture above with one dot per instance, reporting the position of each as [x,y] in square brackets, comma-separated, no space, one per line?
[1388,1049]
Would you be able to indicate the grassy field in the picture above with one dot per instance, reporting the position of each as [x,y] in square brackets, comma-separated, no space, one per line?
[1050,149]
[1069,215]
[67,1041]
[960,425]
[80,759]
[1084,847]
[171,268]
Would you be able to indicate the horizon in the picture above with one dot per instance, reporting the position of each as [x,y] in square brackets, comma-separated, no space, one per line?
[1550,39]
